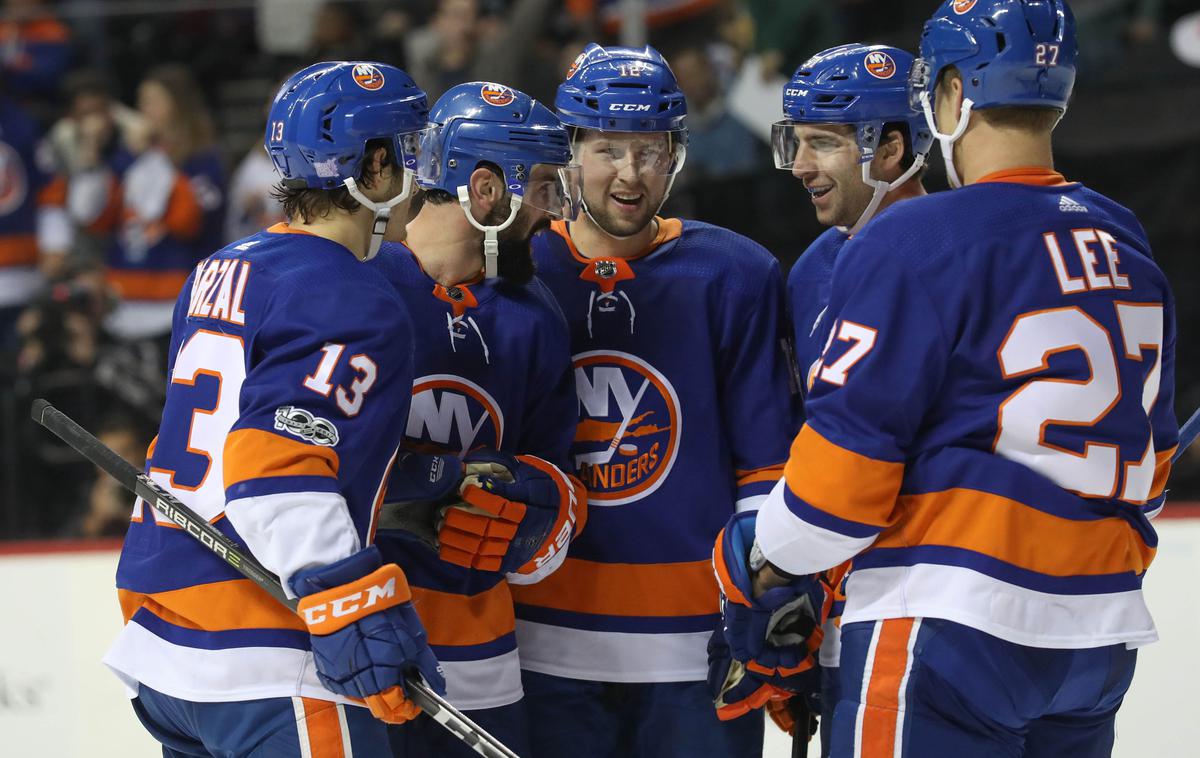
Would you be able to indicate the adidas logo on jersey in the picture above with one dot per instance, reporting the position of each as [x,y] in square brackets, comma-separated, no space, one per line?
[1067,205]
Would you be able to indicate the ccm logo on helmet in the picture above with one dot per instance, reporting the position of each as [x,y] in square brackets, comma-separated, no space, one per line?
[962,6]
[879,64]
[496,94]
[349,604]
[635,107]
[368,77]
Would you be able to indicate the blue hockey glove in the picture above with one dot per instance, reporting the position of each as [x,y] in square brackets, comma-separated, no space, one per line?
[737,691]
[518,514]
[778,633]
[366,636]
[419,486]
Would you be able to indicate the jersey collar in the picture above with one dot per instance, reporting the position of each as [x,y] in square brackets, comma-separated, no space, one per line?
[1037,176]
[668,229]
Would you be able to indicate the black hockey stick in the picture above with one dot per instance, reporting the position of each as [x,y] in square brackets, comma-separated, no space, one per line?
[82,441]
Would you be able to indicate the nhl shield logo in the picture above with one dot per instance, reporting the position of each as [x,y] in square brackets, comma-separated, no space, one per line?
[368,77]
[962,6]
[452,413]
[879,64]
[496,94]
[629,426]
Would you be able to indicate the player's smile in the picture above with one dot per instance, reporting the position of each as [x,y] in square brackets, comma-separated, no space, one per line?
[627,202]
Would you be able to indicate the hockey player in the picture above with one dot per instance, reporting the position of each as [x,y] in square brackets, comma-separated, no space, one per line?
[290,374]
[493,380]
[677,332]
[988,433]
[852,137]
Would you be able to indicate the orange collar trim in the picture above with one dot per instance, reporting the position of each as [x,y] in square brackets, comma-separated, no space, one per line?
[668,229]
[284,228]
[1033,175]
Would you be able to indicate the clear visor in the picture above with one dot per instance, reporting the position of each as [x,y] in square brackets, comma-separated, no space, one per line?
[408,146]
[801,146]
[427,155]
[555,190]
[640,153]
[919,80]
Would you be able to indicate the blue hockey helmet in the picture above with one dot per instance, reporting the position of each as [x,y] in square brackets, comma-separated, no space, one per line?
[621,89]
[861,86]
[1009,53]
[323,116]
[480,122]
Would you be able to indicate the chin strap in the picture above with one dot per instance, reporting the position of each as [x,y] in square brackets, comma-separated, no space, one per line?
[491,242]
[946,141]
[881,189]
[382,211]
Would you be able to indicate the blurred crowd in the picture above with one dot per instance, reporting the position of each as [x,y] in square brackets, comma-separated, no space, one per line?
[130,148]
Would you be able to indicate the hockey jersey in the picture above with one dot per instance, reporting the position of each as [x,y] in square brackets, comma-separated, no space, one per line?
[991,425]
[167,218]
[21,181]
[685,414]
[493,369]
[291,363]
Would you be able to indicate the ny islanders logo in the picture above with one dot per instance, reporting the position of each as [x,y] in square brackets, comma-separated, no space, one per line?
[13,184]
[496,94]
[879,64]
[962,6]
[629,426]
[452,413]
[368,77]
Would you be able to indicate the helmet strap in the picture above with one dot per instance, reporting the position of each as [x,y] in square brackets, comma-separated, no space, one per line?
[491,241]
[382,211]
[881,189]
[946,141]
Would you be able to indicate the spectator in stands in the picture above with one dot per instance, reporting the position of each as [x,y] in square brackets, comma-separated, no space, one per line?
[108,502]
[35,50]
[91,147]
[169,206]
[252,206]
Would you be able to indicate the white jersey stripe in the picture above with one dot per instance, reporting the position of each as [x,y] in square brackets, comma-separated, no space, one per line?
[302,727]
[868,667]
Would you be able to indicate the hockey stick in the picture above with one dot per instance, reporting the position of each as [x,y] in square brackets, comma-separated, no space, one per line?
[82,441]
[1187,434]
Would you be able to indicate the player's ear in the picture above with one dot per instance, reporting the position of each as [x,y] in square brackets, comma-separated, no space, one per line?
[486,190]
[889,155]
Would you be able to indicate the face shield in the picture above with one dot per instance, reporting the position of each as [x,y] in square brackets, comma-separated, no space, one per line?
[552,189]
[807,147]
[427,155]
[645,154]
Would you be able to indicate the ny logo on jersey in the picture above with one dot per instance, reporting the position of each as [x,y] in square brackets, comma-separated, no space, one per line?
[452,413]
[13,185]
[629,422]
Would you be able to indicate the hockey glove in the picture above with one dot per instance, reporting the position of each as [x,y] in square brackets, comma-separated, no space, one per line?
[419,486]
[518,515]
[366,636]
[779,632]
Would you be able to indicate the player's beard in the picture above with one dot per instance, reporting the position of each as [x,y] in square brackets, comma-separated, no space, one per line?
[610,222]
[514,262]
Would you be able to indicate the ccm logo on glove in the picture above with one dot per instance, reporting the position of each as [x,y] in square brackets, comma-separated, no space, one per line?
[328,611]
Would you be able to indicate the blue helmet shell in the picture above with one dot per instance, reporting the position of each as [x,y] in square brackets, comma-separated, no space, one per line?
[621,89]
[865,86]
[485,121]
[1009,52]
[324,115]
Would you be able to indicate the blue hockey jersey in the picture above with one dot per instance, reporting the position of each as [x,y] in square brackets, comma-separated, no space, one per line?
[493,369]
[685,413]
[290,371]
[990,428]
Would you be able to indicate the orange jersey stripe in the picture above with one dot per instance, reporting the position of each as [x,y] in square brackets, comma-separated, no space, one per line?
[998,527]
[1162,470]
[883,690]
[54,193]
[841,482]
[184,216]
[146,285]
[764,474]
[18,250]
[626,589]
[214,607]
[255,454]
[322,724]
[453,619]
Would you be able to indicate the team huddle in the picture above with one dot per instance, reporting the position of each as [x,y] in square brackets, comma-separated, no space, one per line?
[614,487]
